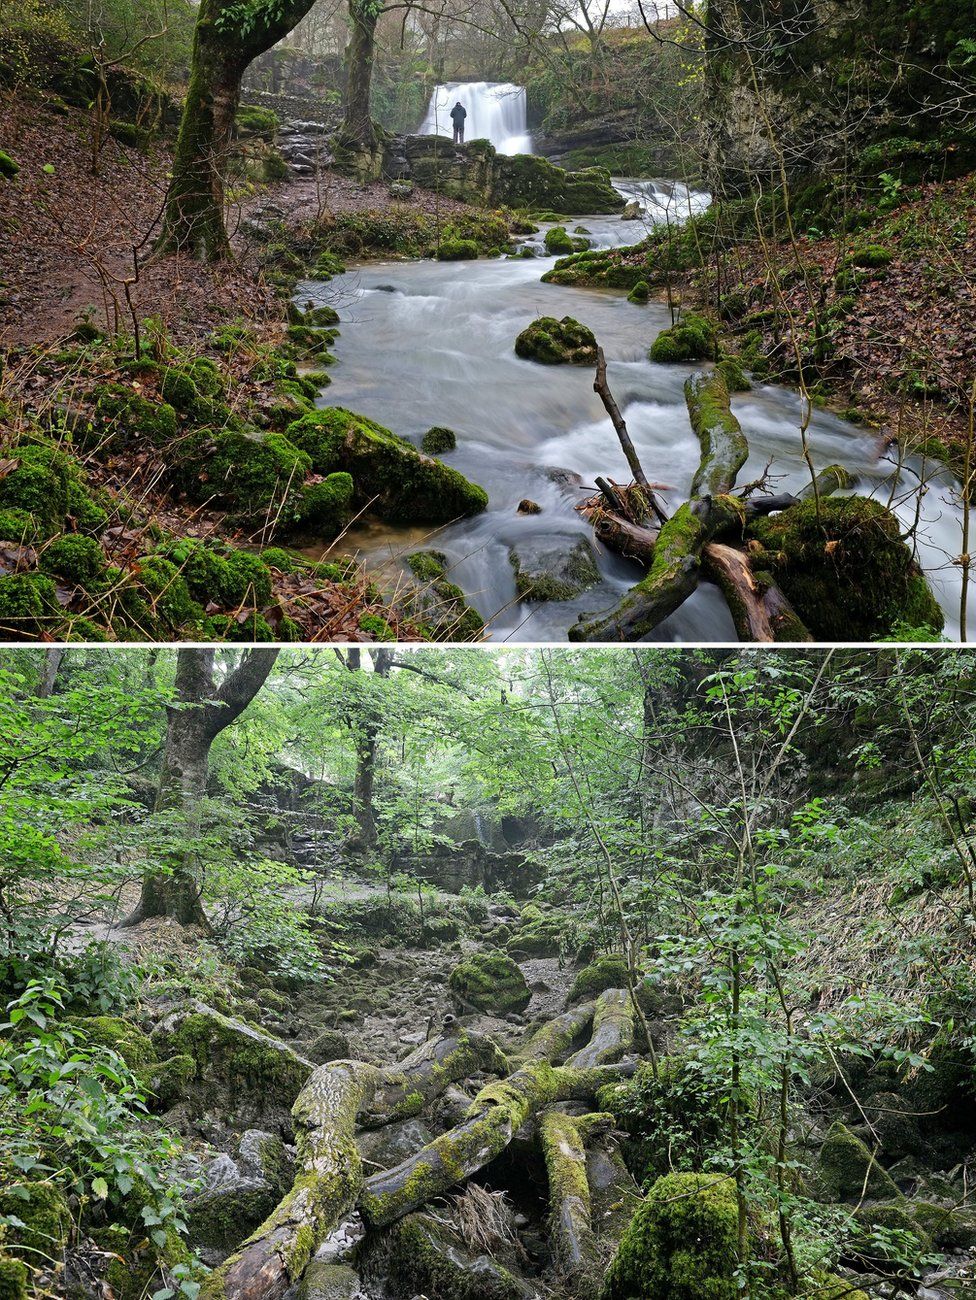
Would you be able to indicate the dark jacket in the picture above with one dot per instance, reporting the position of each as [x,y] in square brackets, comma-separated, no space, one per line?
[458,114]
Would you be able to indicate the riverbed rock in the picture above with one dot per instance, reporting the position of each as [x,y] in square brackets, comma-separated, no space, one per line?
[238,1193]
[390,476]
[553,570]
[490,981]
[436,602]
[846,569]
[557,342]
[529,507]
[438,440]
[691,339]
[631,212]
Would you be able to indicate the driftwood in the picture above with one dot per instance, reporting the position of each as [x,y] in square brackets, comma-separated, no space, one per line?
[759,609]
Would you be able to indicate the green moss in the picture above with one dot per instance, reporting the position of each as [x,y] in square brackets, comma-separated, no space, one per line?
[250,627]
[8,167]
[605,972]
[390,476]
[692,339]
[123,416]
[327,266]
[640,293]
[28,603]
[428,566]
[736,380]
[167,591]
[231,1055]
[457,250]
[75,558]
[13,1273]
[221,575]
[558,241]
[871,256]
[18,526]
[44,1213]
[847,1170]
[681,1243]
[122,1036]
[427,1258]
[276,557]
[849,575]
[490,981]
[40,483]
[557,342]
[255,474]
[328,506]
[437,441]
[377,627]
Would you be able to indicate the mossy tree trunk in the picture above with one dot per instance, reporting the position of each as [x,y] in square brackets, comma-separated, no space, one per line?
[201,710]
[357,125]
[367,725]
[229,36]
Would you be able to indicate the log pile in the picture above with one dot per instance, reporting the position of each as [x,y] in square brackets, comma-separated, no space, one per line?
[343,1098]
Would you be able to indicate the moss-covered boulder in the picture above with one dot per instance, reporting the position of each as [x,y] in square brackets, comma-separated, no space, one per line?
[525,181]
[847,1170]
[692,339]
[557,342]
[257,475]
[326,1281]
[437,603]
[640,293]
[13,1275]
[329,1045]
[608,971]
[547,571]
[124,417]
[492,982]
[537,935]
[424,1255]
[559,242]
[43,1214]
[681,1243]
[28,605]
[48,491]
[457,250]
[397,482]
[239,1192]
[438,440]
[847,571]
[74,558]
[9,167]
[121,1036]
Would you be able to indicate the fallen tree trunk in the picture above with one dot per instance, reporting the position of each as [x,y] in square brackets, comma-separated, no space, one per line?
[406,1088]
[557,1036]
[613,1031]
[759,609]
[676,565]
[570,1212]
[330,1178]
[496,1114]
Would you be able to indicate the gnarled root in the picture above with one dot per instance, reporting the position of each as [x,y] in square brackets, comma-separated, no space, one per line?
[613,1031]
[408,1087]
[570,1213]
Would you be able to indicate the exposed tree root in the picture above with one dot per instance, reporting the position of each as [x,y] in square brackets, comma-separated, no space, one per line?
[613,1031]
[570,1215]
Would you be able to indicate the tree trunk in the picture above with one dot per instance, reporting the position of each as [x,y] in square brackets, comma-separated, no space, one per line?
[193,219]
[368,729]
[357,125]
[49,677]
[201,712]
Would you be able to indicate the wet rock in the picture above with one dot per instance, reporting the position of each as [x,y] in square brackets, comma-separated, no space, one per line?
[387,1146]
[554,342]
[529,507]
[559,569]
[631,212]
[565,478]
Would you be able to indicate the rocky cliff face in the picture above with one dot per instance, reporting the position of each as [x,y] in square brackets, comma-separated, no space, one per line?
[816,86]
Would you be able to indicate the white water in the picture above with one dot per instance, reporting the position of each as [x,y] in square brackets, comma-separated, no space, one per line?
[496,112]
[425,343]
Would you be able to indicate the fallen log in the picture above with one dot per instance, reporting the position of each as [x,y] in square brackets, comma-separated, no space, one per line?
[613,1031]
[329,1181]
[405,1089]
[557,1036]
[563,1140]
[676,565]
[495,1116]
[602,389]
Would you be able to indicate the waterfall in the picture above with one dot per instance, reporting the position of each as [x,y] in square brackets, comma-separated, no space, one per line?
[496,112]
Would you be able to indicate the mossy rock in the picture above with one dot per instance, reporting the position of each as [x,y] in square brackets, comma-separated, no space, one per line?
[13,1272]
[43,1210]
[166,592]
[640,293]
[437,441]
[547,571]
[9,167]
[258,475]
[608,971]
[18,526]
[329,1045]
[491,982]
[555,342]
[325,1281]
[328,506]
[847,1170]
[539,938]
[397,482]
[736,379]
[848,574]
[681,1244]
[440,605]
[457,250]
[422,1255]
[558,242]
[74,558]
[124,417]
[221,575]
[47,484]
[692,339]
[28,605]
[122,1036]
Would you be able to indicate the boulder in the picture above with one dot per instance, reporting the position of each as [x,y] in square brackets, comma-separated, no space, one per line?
[847,1170]
[557,342]
[238,1194]
[490,982]
[553,570]
[325,1281]
[631,212]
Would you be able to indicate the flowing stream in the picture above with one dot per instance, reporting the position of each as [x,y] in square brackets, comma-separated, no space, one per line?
[431,343]
[496,112]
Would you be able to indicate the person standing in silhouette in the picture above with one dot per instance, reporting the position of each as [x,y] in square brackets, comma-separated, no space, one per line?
[458,114]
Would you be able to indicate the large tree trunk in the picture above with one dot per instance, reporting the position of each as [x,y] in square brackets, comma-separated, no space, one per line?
[202,710]
[367,730]
[223,48]
[357,125]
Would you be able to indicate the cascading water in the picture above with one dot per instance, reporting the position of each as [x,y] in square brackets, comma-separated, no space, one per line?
[431,343]
[496,112]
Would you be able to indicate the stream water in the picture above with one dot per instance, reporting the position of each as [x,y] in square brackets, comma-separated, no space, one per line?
[431,343]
